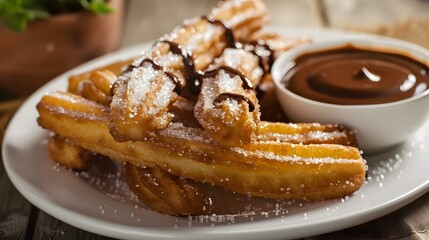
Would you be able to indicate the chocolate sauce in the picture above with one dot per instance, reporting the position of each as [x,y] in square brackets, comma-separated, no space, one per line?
[354,76]
[229,35]
[247,84]
[193,78]
[238,97]
[130,68]
[173,78]
[260,93]
[265,62]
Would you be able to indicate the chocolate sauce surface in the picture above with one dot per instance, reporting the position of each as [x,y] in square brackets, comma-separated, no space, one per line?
[353,76]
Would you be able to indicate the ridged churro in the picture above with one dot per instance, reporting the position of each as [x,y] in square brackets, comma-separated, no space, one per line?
[189,111]
[264,169]
[74,82]
[68,154]
[306,133]
[227,107]
[143,94]
[165,193]
[155,188]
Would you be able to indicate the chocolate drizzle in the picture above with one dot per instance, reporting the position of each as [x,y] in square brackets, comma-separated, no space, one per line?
[260,93]
[173,78]
[238,97]
[193,78]
[265,62]
[229,35]
[247,84]
[130,68]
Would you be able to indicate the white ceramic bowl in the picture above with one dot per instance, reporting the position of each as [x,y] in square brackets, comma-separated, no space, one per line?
[378,126]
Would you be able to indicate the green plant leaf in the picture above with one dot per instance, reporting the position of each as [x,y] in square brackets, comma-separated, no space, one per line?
[15,14]
[37,13]
[17,24]
[96,6]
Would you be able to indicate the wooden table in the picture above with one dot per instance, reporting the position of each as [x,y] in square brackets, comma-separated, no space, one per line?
[148,20]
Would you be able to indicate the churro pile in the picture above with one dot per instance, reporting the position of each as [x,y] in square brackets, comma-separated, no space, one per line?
[189,110]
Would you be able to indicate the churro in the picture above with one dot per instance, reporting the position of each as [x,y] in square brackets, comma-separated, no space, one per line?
[143,94]
[306,133]
[75,81]
[68,154]
[227,107]
[189,111]
[165,193]
[263,169]
[155,188]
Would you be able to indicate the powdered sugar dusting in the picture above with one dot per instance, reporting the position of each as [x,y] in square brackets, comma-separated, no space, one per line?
[162,97]
[178,130]
[303,136]
[241,59]
[139,83]
[140,80]
[208,90]
[254,9]
[296,159]
[200,36]
[229,84]
[168,60]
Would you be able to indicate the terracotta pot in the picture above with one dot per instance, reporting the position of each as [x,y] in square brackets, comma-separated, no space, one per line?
[49,47]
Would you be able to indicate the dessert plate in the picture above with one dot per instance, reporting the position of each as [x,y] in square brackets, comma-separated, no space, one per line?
[395,178]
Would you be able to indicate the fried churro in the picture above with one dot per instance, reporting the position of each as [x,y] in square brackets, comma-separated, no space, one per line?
[155,188]
[260,169]
[165,193]
[189,111]
[74,82]
[306,133]
[143,94]
[68,154]
[227,107]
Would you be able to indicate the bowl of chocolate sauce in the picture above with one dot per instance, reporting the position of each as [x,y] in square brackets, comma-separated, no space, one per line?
[375,85]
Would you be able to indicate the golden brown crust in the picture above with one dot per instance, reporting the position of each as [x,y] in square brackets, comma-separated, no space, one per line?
[142,96]
[95,85]
[135,110]
[68,154]
[307,133]
[165,193]
[276,42]
[231,121]
[261,169]
[116,68]
[182,139]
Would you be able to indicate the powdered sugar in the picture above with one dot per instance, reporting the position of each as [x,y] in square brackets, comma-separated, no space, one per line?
[163,96]
[228,84]
[178,130]
[168,60]
[296,159]
[139,83]
[304,136]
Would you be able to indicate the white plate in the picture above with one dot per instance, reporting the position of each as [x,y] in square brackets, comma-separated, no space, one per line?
[395,178]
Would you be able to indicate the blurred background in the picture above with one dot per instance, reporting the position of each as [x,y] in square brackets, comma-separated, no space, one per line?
[39,39]
[148,19]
